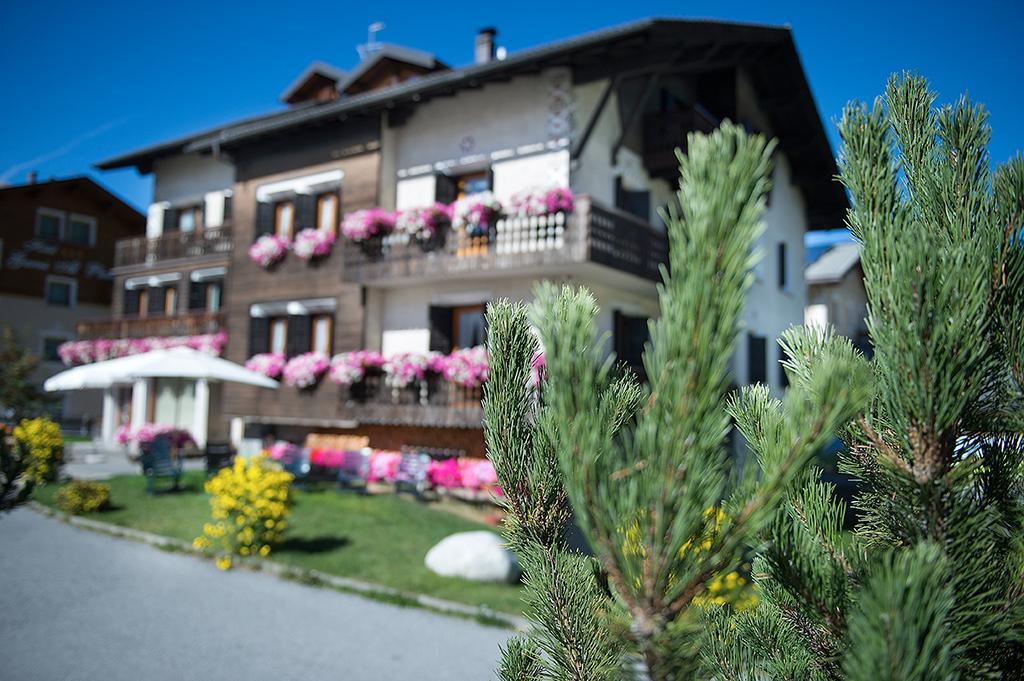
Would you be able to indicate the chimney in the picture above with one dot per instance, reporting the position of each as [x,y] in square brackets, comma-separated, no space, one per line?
[484,51]
[33,177]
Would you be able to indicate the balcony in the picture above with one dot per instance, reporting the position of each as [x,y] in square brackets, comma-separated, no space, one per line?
[592,234]
[172,246]
[434,403]
[664,131]
[192,324]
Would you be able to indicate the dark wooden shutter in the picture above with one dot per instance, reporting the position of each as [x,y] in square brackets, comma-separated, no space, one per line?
[299,334]
[783,273]
[171,220]
[305,212]
[197,295]
[157,299]
[227,209]
[757,358]
[440,328]
[259,335]
[444,188]
[131,302]
[631,334]
[264,218]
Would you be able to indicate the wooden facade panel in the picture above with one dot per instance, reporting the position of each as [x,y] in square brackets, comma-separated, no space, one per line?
[294,279]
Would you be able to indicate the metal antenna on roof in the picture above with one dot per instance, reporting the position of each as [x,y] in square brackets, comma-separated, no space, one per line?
[372,46]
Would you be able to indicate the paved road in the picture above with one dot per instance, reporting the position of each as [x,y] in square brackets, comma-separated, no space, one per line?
[79,605]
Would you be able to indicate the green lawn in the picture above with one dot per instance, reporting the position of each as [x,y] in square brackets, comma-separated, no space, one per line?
[379,538]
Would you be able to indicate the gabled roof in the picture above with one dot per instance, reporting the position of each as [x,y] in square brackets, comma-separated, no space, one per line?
[80,182]
[834,264]
[317,68]
[398,53]
[768,53]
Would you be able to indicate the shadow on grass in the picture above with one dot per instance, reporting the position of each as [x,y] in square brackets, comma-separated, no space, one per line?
[321,544]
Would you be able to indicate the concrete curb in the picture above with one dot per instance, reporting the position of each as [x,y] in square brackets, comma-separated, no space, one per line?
[302,575]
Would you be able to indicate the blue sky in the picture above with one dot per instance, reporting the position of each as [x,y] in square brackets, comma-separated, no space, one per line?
[84,81]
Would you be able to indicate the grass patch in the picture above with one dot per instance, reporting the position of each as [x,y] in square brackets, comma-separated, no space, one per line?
[379,538]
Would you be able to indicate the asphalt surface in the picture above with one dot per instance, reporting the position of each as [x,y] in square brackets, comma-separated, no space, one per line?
[75,604]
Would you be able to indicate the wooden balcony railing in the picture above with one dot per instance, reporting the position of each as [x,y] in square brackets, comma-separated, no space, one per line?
[192,324]
[593,233]
[427,403]
[171,246]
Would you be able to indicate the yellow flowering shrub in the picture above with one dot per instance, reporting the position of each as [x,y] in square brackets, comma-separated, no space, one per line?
[729,588]
[82,496]
[45,445]
[249,505]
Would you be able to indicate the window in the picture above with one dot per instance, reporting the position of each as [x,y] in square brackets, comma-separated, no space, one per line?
[49,224]
[634,202]
[757,359]
[190,218]
[783,376]
[170,298]
[472,183]
[81,230]
[213,295]
[322,333]
[143,302]
[284,219]
[60,291]
[327,213]
[50,347]
[782,265]
[631,334]
[468,326]
[279,335]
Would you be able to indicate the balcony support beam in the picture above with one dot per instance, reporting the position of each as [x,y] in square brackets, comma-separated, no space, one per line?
[653,81]
[602,102]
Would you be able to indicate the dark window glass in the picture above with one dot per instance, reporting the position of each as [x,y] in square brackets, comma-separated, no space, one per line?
[783,272]
[757,369]
[50,347]
[48,227]
[58,293]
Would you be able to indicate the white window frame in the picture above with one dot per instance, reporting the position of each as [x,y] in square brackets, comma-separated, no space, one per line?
[53,213]
[55,279]
[79,217]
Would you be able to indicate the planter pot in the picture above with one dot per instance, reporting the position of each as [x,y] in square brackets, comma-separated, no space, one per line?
[373,247]
[435,242]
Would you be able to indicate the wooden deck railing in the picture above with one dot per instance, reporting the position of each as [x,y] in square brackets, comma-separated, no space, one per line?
[592,233]
[171,246]
[191,324]
[427,403]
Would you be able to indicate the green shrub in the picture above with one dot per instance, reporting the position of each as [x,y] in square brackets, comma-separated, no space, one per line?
[45,445]
[83,496]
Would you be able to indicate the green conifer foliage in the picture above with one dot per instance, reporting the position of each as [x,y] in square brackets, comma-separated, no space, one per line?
[645,469]
[930,585]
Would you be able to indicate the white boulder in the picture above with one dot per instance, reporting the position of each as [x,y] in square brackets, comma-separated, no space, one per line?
[479,556]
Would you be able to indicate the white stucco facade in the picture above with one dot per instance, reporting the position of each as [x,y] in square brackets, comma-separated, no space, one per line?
[189,180]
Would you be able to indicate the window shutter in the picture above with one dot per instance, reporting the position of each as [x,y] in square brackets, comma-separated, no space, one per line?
[264,218]
[131,302]
[197,295]
[444,188]
[299,327]
[171,220]
[227,210]
[156,298]
[783,376]
[783,274]
[259,335]
[440,328]
[757,357]
[631,333]
[305,212]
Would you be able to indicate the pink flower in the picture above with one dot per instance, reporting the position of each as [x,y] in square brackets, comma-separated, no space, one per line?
[404,368]
[476,212]
[423,223]
[350,367]
[147,432]
[537,202]
[364,224]
[313,243]
[269,364]
[383,466]
[467,367]
[87,351]
[538,369]
[268,250]
[303,371]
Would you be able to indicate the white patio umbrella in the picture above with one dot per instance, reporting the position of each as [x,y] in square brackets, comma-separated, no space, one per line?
[102,374]
[188,363]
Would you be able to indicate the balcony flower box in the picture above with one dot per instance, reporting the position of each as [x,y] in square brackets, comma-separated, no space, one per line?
[426,226]
[368,229]
[539,202]
[476,214]
[312,244]
[350,368]
[304,371]
[268,250]
[270,364]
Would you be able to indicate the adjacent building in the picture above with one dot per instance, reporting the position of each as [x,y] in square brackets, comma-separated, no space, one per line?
[836,295]
[598,116]
[57,243]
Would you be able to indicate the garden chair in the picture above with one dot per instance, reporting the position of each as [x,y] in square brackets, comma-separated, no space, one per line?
[158,461]
[354,470]
[218,455]
[295,460]
[412,474]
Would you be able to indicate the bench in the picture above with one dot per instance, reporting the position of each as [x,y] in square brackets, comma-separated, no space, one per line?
[159,461]
[412,474]
[354,470]
[218,455]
